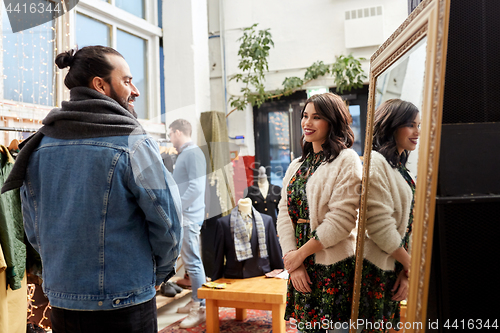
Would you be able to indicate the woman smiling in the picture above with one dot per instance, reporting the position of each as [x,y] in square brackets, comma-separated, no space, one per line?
[317,217]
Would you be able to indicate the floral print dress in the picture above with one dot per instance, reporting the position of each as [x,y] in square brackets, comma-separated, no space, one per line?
[331,287]
[375,304]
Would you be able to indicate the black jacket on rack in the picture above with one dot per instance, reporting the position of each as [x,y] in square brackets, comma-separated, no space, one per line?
[267,205]
[169,161]
[255,266]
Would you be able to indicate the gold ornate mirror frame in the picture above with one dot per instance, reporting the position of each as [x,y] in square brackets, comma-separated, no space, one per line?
[429,19]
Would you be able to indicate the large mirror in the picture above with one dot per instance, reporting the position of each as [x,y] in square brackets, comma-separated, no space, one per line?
[404,80]
[397,201]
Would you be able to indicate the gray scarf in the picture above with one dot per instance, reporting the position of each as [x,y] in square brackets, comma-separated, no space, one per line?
[88,114]
[242,244]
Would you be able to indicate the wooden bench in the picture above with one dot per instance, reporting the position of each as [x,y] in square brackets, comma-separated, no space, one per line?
[254,293]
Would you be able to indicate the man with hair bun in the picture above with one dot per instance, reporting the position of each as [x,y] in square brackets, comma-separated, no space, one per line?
[98,204]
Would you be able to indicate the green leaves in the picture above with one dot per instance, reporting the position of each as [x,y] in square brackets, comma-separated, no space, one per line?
[291,84]
[348,73]
[253,52]
[316,70]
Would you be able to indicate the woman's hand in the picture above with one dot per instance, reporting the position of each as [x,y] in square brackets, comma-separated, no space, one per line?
[403,257]
[401,286]
[300,280]
[292,260]
[295,258]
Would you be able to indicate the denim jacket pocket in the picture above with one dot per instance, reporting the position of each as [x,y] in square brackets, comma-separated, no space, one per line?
[120,302]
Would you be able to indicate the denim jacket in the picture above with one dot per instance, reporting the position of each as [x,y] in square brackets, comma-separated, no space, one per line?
[105,216]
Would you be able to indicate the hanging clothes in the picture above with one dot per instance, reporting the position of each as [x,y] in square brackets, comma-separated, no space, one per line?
[12,303]
[219,166]
[13,288]
[267,205]
[11,226]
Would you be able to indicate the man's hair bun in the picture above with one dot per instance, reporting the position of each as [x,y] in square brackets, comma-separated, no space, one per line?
[86,63]
[65,59]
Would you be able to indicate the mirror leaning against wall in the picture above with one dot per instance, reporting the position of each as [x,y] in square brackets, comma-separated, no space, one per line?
[391,188]
[397,202]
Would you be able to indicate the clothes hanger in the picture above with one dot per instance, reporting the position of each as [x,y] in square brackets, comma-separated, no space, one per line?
[14,144]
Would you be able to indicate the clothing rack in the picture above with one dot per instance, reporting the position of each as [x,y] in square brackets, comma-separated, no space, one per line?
[18,129]
[163,140]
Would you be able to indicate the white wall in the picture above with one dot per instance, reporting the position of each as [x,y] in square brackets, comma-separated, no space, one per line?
[215,61]
[303,32]
[187,83]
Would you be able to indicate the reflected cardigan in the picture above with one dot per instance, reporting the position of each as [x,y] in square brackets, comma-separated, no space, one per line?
[387,212]
[333,193]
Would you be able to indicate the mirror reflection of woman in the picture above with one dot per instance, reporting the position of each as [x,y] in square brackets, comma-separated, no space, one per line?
[389,214]
[317,217]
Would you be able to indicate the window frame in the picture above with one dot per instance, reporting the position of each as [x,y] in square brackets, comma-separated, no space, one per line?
[146,29]
[65,36]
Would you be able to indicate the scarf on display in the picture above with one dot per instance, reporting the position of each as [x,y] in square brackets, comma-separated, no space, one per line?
[242,244]
[88,114]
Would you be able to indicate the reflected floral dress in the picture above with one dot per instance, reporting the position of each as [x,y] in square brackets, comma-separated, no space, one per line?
[331,287]
[375,304]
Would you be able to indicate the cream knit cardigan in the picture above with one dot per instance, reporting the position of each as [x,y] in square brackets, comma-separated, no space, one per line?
[387,212]
[333,193]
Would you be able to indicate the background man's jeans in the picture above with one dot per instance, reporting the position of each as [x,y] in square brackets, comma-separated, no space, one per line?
[191,256]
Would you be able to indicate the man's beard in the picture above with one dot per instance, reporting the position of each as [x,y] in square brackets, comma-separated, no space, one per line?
[122,101]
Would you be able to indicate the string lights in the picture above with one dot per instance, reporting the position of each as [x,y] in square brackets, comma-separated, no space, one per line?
[29,76]
[31,307]
[31,301]
[28,64]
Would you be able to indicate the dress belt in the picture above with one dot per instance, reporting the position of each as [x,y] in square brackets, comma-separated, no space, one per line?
[302,221]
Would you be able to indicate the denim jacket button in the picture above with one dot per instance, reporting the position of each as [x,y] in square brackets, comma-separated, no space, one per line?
[100,303]
[117,301]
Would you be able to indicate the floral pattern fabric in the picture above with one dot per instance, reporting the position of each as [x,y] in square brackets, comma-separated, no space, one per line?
[375,304]
[331,287]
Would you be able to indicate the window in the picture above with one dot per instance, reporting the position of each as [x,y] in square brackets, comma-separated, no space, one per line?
[133,50]
[279,144]
[28,63]
[355,112]
[91,32]
[135,7]
[30,83]
[118,24]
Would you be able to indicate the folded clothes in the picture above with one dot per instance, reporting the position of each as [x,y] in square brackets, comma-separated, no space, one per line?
[214,285]
[274,273]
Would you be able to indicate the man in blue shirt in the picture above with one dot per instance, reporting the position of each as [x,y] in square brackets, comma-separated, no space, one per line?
[98,204]
[190,176]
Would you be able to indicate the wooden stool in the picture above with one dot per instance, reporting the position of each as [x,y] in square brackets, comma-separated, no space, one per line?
[254,293]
